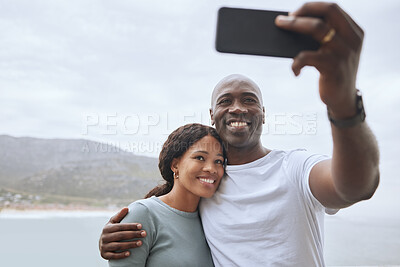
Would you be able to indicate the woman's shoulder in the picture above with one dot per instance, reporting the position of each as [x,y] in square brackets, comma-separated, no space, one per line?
[147,202]
[141,210]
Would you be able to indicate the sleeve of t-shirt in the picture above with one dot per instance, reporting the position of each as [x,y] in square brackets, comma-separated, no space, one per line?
[299,164]
[138,213]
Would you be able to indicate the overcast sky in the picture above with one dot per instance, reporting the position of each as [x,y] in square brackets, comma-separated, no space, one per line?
[129,72]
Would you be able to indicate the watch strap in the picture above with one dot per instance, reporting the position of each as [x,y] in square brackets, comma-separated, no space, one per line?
[352,121]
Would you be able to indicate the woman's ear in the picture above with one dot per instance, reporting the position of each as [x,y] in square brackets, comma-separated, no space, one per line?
[175,165]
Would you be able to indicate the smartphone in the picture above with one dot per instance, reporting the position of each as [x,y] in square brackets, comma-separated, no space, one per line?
[253,32]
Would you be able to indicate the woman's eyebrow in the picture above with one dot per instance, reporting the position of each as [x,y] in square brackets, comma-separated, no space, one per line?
[206,152]
[201,151]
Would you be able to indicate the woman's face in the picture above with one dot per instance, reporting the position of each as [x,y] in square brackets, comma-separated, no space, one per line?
[200,168]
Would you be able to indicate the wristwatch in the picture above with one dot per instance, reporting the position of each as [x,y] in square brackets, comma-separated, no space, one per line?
[356,119]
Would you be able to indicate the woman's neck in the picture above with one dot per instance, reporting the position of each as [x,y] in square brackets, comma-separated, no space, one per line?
[183,201]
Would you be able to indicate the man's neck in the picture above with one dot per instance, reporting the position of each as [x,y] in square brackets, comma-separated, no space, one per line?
[238,156]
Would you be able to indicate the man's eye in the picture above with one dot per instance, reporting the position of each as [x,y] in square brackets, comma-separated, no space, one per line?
[224,101]
[250,100]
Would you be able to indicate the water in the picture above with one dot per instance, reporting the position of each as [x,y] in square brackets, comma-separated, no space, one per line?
[71,239]
[352,242]
[48,240]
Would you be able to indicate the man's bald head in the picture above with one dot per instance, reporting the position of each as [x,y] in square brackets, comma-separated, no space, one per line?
[234,80]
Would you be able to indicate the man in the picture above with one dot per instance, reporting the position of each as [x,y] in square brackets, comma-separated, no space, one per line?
[269,208]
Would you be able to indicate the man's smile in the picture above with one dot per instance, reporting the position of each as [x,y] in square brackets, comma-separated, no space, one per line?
[237,124]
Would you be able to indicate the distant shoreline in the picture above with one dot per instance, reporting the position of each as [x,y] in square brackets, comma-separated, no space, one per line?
[51,213]
[55,210]
[58,207]
[17,210]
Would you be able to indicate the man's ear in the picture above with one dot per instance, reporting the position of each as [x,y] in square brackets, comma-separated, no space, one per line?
[212,116]
[263,115]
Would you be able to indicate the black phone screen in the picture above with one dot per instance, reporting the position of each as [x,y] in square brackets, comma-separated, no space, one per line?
[253,32]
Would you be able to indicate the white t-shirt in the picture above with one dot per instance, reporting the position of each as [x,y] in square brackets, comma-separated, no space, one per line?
[264,213]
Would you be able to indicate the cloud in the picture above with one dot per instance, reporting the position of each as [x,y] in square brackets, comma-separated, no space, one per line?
[60,61]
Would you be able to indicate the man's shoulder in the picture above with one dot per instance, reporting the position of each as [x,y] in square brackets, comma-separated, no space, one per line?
[279,154]
[298,152]
[289,151]
[293,156]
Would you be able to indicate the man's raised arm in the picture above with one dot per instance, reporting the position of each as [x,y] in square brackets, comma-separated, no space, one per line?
[111,244]
[353,173]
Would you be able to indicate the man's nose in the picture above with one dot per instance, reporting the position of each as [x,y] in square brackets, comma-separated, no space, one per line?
[237,108]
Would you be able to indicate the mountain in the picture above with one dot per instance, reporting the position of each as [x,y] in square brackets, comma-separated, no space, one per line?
[74,171]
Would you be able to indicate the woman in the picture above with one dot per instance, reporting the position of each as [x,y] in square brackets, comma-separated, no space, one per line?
[192,164]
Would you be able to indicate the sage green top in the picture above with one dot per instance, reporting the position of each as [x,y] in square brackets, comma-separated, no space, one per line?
[174,238]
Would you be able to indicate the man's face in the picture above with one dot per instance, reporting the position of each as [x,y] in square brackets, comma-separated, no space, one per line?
[237,111]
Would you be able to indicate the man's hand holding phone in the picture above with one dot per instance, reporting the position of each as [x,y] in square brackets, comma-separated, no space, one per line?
[337,58]
[318,34]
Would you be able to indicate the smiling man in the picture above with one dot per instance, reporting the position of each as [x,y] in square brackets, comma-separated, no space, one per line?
[269,209]
[238,114]
[264,202]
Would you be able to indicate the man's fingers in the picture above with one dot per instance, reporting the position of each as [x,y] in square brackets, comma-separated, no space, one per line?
[321,61]
[124,235]
[115,256]
[108,251]
[315,27]
[119,227]
[117,218]
[109,228]
[335,17]
[121,246]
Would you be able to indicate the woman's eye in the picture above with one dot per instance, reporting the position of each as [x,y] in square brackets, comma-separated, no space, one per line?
[218,161]
[199,157]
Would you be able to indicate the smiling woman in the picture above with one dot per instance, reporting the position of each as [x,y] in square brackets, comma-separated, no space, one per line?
[192,163]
